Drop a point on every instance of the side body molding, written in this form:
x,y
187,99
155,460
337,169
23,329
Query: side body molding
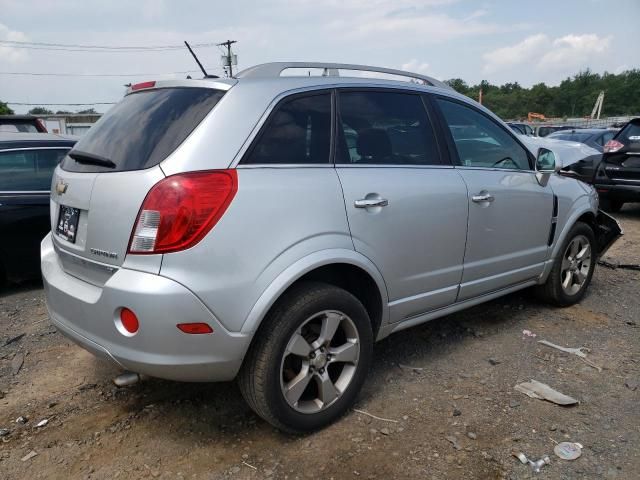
x,y
306,264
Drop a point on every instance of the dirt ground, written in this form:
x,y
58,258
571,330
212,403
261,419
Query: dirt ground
x,y
456,415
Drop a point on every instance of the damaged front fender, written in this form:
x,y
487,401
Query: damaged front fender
x,y
608,230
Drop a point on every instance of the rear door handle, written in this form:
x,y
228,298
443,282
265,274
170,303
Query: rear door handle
x,y
371,202
483,197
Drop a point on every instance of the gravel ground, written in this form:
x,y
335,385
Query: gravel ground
x,y
446,390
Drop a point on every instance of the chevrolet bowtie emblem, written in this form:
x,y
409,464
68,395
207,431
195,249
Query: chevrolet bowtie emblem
x,y
61,187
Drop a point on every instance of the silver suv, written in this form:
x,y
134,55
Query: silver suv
x,y
271,228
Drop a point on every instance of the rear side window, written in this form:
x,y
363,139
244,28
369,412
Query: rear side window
x,y
28,170
298,132
385,128
144,128
480,141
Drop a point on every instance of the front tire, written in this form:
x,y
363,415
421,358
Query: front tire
x,y
309,359
573,268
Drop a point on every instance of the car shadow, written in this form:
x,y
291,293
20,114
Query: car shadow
x,y
21,287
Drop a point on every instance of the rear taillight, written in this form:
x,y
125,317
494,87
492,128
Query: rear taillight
x,y
613,146
180,210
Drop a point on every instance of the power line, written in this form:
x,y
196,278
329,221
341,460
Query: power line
x,y
56,104
229,57
43,74
96,48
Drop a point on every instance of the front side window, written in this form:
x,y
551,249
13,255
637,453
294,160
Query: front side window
x,y
298,132
28,170
384,128
481,142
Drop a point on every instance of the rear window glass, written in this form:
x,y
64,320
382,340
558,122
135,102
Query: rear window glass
x,y
630,135
571,137
28,170
144,128
18,128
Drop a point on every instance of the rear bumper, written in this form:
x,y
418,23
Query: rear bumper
x,y
621,192
86,314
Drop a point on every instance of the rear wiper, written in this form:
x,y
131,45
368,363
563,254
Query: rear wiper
x,y
91,159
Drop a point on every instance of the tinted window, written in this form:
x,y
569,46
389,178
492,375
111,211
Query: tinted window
x,y
28,170
385,128
144,128
480,141
630,135
299,131
571,137
528,130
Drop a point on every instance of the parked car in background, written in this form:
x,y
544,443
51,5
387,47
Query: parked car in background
x,y
27,162
544,130
521,128
271,228
21,124
594,137
617,178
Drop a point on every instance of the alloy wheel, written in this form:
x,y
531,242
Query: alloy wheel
x,y
319,361
576,264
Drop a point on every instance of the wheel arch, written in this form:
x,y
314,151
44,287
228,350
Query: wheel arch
x,y
343,268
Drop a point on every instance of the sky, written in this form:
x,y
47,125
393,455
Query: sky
x,y
527,41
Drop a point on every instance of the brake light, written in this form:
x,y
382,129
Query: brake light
x,y
142,85
180,210
613,146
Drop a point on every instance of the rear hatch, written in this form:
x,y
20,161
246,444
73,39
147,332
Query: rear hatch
x,y
621,160
99,187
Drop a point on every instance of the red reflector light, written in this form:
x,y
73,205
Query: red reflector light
x,y
180,210
129,320
142,85
603,190
613,146
195,328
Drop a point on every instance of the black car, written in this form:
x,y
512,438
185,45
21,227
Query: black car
x,y
594,137
21,124
617,178
27,162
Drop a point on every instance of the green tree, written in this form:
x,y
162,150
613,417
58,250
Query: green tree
x,y
40,111
4,109
88,111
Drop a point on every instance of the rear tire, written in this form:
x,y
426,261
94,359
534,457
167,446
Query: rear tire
x,y
309,358
572,269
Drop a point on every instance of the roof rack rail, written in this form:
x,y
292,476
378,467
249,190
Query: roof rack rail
x,y
274,69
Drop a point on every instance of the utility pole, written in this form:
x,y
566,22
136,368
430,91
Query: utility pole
x,y
229,60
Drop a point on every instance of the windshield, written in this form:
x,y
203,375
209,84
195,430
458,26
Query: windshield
x,y
142,130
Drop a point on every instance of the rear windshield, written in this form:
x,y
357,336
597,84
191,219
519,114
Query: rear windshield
x,y
143,129
571,137
630,134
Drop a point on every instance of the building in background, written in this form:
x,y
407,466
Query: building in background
x,y
71,123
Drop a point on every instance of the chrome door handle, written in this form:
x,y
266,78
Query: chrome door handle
x,y
483,197
371,202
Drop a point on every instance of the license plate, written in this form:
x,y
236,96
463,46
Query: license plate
x,y
67,226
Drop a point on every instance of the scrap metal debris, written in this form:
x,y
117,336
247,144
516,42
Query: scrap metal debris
x,y
535,465
373,416
574,351
568,450
42,423
535,389
624,266
29,455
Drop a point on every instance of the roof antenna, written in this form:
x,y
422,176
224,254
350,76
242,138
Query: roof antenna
x,y
206,75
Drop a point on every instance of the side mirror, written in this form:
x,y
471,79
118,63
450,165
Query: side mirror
x,y
545,166
546,161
